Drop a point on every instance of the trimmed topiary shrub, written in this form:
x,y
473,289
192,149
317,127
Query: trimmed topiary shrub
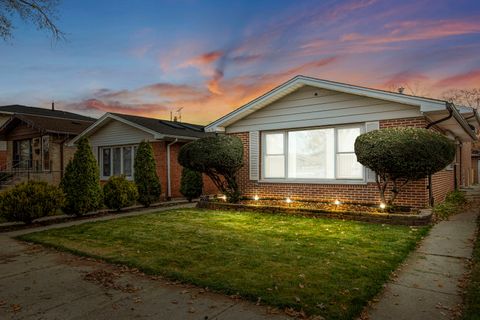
x,y
191,184
146,179
119,193
81,182
401,155
30,200
220,157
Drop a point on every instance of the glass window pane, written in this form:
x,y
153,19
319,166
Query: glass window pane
x,y
117,158
127,161
106,166
311,154
274,143
348,167
346,139
275,166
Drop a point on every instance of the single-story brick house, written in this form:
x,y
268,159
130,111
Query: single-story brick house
x,y
33,142
299,137
115,137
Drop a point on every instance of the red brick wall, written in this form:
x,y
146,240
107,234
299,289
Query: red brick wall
x,y
415,193
160,155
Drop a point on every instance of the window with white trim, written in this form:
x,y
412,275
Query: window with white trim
x,y
117,160
311,154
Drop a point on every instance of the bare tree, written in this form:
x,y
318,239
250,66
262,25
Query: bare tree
x,y
464,97
42,13
415,88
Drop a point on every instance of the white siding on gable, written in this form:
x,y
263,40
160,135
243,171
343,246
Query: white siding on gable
x,y
117,133
309,106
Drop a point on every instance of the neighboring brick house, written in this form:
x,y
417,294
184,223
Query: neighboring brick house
x,y
33,142
298,141
115,137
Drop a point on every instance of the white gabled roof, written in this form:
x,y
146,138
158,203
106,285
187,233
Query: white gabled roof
x,y
426,105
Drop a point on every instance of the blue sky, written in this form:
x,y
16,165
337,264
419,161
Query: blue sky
x,y
148,57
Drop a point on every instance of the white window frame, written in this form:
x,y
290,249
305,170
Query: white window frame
x,y
286,179
100,160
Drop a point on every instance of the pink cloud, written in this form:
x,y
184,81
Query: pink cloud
x,y
468,79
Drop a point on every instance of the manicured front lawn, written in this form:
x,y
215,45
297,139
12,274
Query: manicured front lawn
x,y
472,294
326,267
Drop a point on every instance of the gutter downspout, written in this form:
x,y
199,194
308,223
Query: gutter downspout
x,y
169,180
450,114
431,200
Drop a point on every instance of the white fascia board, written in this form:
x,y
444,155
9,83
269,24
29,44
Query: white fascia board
x,y
87,132
103,120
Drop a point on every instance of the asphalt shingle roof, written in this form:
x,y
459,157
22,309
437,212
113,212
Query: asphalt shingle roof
x,y
173,128
26,110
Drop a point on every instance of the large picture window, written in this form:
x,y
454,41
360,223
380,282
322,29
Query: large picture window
x,y
311,154
117,161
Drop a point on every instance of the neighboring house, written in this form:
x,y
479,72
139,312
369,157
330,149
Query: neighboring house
x,y
33,141
115,137
299,141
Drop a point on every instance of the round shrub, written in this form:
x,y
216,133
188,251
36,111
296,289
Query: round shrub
x,y
81,182
146,178
119,193
30,200
220,157
191,184
400,155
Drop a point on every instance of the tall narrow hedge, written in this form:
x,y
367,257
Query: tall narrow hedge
x,y
146,179
81,182
191,184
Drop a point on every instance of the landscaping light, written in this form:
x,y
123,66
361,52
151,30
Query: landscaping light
x,y
224,197
337,203
288,200
256,198
382,206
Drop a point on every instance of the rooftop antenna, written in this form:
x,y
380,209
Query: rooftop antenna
x,y
178,115
401,89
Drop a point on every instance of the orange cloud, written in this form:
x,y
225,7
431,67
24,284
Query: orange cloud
x,y
468,79
415,31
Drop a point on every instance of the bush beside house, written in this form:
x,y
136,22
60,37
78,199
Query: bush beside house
x,y
146,178
401,155
81,182
220,157
30,200
191,184
119,193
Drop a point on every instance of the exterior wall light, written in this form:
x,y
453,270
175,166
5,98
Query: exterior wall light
x,y
382,206
256,198
337,203
288,200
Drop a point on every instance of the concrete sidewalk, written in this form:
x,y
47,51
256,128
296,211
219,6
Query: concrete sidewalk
x,y
42,283
428,284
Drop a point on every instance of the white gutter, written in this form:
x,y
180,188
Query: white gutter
x,y
169,180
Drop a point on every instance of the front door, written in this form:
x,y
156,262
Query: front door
x,y
22,154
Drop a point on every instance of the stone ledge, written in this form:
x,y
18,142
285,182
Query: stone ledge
x,y
420,219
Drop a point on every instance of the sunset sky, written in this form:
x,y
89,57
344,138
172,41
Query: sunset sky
x,y
209,57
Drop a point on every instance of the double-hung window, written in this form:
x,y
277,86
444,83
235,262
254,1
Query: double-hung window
x,y
311,154
118,160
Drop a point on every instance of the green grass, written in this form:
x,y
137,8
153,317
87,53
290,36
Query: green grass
x,y
472,295
454,203
327,267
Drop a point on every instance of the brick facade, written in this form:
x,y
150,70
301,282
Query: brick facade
x,y
415,194
160,155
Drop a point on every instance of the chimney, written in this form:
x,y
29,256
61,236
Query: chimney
x,y
53,105
401,89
